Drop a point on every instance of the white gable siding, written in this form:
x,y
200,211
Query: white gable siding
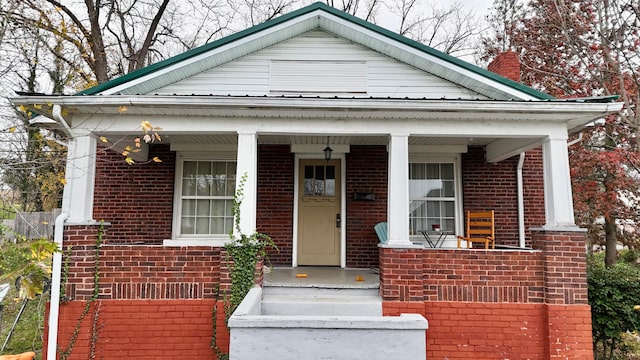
x,y
252,74
318,76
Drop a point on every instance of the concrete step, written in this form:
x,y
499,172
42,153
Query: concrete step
x,y
321,301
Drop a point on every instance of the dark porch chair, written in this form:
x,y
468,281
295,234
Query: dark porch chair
x,y
480,229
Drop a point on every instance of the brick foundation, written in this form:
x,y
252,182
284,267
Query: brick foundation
x,y
139,329
463,330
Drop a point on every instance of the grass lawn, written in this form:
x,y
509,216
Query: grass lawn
x,y
29,330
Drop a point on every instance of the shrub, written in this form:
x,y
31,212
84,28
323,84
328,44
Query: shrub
x,y
614,294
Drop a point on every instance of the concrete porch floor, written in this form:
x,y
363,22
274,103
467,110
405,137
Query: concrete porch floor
x,y
322,277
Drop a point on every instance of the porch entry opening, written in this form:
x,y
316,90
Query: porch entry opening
x,y
319,212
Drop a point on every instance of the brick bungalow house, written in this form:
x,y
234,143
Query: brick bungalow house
x,y
417,137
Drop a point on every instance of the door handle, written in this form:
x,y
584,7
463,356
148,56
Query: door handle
x,y
338,220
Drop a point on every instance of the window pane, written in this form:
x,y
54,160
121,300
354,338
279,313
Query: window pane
x,y
188,207
189,187
231,178
418,189
448,209
448,224
331,172
417,224
228,225
319,172
231,186
203,208
448,188
308,172
447,171
189,169
203,179
433,171
331,187
202,225
318,187
219,172
217,225
433,208
187,225
309,188
434,188
218,207
417,171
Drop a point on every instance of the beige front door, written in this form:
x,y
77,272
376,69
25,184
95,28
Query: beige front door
x,y
319,212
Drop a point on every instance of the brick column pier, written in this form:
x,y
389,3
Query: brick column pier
x,y
565,289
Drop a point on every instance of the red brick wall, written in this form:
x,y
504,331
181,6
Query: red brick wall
x,y
139,271
139,329
493,304
564,266
569,332
483,276
275,199
137,200
463,330
366,172
488,186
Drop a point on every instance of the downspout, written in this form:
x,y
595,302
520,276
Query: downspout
x,y
54,306
521,234
56,268
576,140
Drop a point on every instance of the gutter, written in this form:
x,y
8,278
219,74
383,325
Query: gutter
x,y
56,274
521,233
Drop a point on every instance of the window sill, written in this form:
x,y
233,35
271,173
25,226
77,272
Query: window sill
x,y
196,242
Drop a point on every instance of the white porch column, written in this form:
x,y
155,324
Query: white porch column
x,y
398,190
247,160
558,198
77,199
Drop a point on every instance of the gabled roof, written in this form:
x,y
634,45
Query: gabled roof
x,y
317,15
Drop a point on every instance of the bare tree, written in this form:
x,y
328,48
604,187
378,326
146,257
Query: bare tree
x,y
451,29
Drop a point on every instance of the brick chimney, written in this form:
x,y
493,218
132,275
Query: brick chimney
x,y
506,64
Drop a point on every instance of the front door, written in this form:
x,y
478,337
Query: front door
x,y
319,212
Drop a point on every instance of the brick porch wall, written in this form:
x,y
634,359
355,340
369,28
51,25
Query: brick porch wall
x,y
495,304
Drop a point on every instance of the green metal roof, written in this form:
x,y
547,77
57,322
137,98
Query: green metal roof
x,y
297,13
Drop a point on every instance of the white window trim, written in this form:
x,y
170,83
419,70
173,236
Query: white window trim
x,y
217,240
456,159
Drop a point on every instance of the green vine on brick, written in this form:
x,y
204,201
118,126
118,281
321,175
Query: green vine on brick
x,y
66,256
243,252
64,355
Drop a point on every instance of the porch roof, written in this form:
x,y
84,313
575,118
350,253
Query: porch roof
x,y
574,112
